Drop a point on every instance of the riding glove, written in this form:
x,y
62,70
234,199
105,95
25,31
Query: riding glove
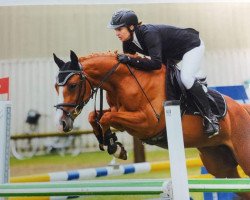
x,y
139,63
124,58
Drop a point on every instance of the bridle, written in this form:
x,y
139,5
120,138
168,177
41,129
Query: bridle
x,y
80,103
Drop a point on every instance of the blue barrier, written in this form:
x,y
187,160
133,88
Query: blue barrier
x,y
236,92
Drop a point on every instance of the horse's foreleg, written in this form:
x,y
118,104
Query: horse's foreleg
x,y
122,119
130,120
96,127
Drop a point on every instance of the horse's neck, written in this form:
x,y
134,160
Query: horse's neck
x,y
98,68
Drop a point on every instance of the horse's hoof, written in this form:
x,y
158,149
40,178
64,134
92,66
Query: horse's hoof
x,y
101,147
120,153
123,153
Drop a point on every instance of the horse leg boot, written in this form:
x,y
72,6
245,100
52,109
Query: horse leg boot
x,y
211,124
107,139
97,128
134,120
114,148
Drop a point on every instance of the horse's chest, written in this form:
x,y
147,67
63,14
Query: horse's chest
x,y
123,102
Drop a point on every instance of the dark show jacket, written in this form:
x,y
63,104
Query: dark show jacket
x,y
161,43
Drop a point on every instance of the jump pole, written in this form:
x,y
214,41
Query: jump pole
x,y
177,159
5,117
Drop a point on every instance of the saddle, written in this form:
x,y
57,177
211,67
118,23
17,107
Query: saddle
x,y
177,91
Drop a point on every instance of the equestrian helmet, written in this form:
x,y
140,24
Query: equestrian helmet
x,y
123,18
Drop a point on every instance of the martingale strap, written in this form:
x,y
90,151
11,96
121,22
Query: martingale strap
x,y
99,116
101,102
97,119
107,75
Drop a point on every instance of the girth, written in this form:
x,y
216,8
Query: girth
x,y
159,140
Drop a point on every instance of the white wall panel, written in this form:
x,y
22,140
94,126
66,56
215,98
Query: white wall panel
x,y
227,67
38,31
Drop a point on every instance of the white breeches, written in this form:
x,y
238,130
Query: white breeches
x,y
191,66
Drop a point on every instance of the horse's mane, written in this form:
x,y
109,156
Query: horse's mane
x,y
105,54
94,55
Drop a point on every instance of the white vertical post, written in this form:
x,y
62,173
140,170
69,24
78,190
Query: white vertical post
x,y
5,117
176,149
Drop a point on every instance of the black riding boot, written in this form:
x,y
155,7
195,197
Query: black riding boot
x,y
211,124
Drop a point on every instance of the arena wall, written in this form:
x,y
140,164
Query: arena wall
x,y
30,34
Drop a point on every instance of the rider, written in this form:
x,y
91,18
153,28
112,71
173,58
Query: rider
x,y
162,43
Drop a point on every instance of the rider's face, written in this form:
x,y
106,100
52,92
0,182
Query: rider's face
x,y
122,33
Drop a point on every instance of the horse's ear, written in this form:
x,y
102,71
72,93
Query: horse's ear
x,y
58,61
74,60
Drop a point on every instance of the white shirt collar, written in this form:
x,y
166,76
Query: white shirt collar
x,y
135,41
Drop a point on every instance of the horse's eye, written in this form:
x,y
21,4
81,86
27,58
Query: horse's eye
x,y
72,86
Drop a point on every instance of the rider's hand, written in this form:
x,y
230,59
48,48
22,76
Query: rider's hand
x,y
124,58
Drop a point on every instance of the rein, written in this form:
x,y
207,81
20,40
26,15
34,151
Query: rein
x,y
156,114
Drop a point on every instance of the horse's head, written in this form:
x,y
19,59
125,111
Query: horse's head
x,y
73,91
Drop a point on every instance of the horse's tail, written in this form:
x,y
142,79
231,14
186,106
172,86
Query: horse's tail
x,y
246,107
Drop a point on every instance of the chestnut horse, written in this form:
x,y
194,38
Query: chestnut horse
x,y
131,111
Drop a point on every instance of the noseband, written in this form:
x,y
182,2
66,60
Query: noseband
x,y
83,78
